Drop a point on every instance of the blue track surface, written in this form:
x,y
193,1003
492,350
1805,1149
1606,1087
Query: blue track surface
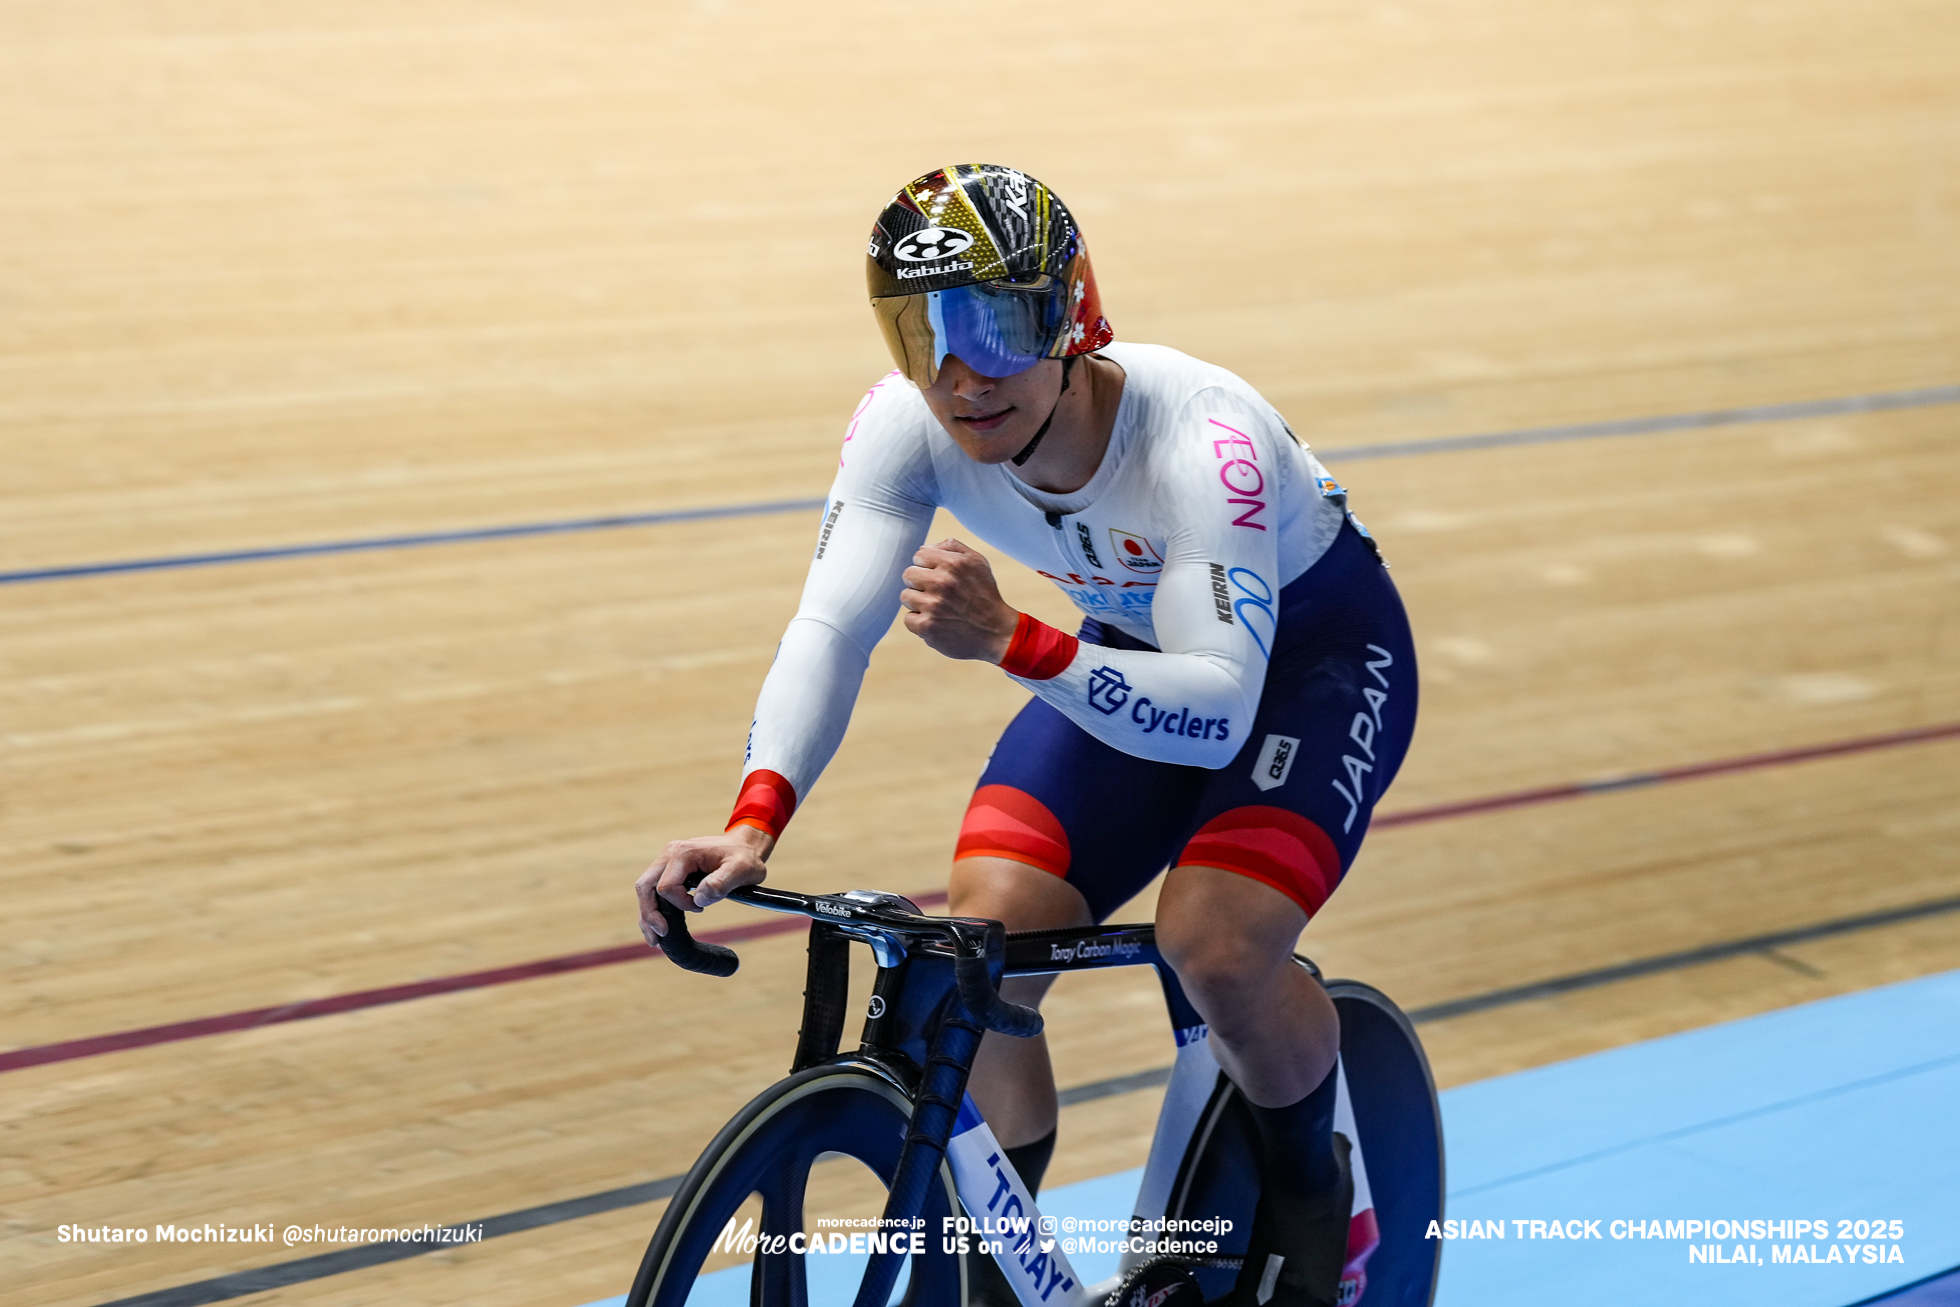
x,y
1844,1109
1940,1291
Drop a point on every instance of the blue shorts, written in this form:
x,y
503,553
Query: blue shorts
x,y
1333,724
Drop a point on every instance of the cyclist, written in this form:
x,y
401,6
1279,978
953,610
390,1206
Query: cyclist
x,y
1241,691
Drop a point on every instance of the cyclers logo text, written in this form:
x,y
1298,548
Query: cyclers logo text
x,y
1179,721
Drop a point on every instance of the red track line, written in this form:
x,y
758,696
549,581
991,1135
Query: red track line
x,y
1748,762
42,1054
252,1018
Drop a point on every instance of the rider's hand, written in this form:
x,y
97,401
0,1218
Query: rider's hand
x,y
733,859
952,603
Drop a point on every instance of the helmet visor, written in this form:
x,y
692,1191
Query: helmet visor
x,y
996,328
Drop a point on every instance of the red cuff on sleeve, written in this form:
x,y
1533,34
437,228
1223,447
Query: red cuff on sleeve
x,y
1038,652
766,802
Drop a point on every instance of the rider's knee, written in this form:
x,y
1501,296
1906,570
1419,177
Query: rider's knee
x,y
1214,961
1242,890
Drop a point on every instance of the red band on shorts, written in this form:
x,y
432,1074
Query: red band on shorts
x,y
1272,846
1003,822
1038,652
766,802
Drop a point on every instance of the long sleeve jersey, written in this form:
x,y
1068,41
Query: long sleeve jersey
x,y
1203,508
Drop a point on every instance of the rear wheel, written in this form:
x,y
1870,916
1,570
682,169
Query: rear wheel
x,y
1401,1126
768,1150
1401,1129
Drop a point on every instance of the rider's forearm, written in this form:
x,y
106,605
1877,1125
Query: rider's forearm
x,y
800,717
1190,708
848,600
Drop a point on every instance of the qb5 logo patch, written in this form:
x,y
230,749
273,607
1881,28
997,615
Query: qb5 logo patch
x,y
1275,761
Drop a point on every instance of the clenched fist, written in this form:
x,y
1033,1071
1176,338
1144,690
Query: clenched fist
x,y
952,603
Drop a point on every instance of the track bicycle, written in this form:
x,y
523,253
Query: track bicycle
x,y
897,1104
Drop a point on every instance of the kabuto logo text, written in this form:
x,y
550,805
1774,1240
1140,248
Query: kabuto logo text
x,y
937,269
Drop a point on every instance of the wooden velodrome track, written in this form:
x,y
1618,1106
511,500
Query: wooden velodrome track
x,y
306,272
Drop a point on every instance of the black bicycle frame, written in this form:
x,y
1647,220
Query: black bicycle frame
x,y
935,995
918,1031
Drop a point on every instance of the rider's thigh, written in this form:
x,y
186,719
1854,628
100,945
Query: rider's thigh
x,y
1020,897
1015,894
1054,798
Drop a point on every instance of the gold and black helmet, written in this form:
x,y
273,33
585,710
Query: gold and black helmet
x,y
986,263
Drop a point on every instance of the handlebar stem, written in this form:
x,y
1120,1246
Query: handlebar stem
x,y
891,925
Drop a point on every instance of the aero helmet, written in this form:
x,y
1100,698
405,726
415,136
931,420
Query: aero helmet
x,y
987,263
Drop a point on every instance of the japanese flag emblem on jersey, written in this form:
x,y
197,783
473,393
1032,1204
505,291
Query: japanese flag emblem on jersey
x,y
1134,552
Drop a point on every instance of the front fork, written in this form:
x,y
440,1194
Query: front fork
x,y
935,1108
